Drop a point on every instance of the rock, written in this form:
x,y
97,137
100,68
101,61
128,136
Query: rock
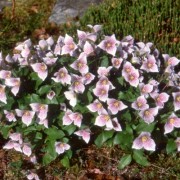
x,y
4,3
65,10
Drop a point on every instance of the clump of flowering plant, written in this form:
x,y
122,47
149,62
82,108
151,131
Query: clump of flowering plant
x,y
89,86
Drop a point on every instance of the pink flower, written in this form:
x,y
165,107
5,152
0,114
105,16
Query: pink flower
x,y
83,36
41,70
140,103
173,121
109,44
88,48
116,62
88,78
144,141
104,120
10,116
61,147
51,95
81,64
43,122
160,99
76,118
72,97
127,68
132,78
49,59
62,76
14,83
69,46
148,114
96,106
32,176
43,44
16,137
26,149
145,88
178,143
176,102
104,81
66,118
5,74
116,125
101,92
40,109
3,97
114,105
13,145
103,71
77,84
149,64
85,134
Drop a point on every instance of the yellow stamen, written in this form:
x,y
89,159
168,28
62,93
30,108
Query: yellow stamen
x,y
108,45
71,46
149,65
76,83
116,104
131,77
79,65
139,104
144,138
99,105
146,113
106,117
178,98
171,120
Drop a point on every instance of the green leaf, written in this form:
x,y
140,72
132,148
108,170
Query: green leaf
x,y
171,146
139,157
121,80
44,89
65,162
54,133
47,158
38,135
104,61
145,127
103,137
124,161
89,96
69,129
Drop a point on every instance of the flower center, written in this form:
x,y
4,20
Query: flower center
x,y
88,75
144,138
43,67
127,69
108,45
146,113
104,82
117,63
62,74
61,145
76,83
41,107
71,46
139,104
171,120
131,77
106,117
1,89
26,113
79,65
149,65
99,105
116,104
178,98
8,75
103,92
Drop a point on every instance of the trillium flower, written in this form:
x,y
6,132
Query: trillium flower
x,y
145,141
62,76
127,69
160,99
172,122
114,105
104,81
81,64
50,59
132,78
149,64
116,62
96,106
13,145
43,44
116,125
145,88
16,137
88,78
148,114
103,71
3,97
178,143
76,118
43,122
66,118
109,44
83,36
69,46
88,48
5,74
72,97
77,84
96,28
51,95
40,109
14,83
10,116
140,103
101,92
104,119
63,106
26,115
26,150
176,101
85,134
61,147
41,70
32,176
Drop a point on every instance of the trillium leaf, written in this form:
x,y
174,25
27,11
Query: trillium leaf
x,y
145,127
54,133
44,89
139,157
124,161
171,146
65,162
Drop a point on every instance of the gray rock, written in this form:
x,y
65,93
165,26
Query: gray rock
x,y
65,10
4,3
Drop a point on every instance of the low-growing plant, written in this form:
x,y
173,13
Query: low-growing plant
x,y
94,87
